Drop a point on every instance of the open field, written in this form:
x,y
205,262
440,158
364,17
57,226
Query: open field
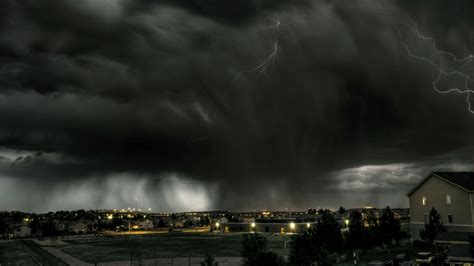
x,y
162,248
106,249
25,253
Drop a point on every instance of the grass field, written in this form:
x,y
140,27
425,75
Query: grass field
x,y
163,246
26,253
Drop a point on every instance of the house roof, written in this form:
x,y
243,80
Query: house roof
x,y
463,180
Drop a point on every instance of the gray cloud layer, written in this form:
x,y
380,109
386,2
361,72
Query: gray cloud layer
x,y
157,90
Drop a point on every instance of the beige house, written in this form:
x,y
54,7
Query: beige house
x,y
22,231
451,194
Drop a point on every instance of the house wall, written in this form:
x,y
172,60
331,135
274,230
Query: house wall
x,y
22,231
435,191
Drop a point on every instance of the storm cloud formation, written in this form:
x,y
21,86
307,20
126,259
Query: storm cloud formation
x,y
102,102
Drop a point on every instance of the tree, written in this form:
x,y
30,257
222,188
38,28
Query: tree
x,y
433,227
372,234
341,210
204,221
269,258
389,225
209,261
356,229
48,229
35,225
3,228
306,249
188,223
252,245
329,231
161,223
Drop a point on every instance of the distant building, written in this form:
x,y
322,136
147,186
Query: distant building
x,y
60,226
281,226
145,224
451,194
22,232
78,228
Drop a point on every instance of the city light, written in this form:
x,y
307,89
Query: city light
x,y
308,225
252,225
346,221
217,225
292,226
110,216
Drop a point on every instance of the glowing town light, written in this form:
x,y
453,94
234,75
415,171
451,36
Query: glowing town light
x,y
217,225
110,216
252,225
346,221
292,226
308,225
149,209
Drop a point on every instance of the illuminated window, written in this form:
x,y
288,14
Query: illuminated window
x,y
450,218
424,201
448,199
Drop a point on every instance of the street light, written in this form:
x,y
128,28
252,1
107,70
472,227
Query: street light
x,y
346,221
292,226
308,225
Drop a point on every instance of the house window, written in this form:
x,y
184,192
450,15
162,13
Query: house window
x,y
448,199
424,201
450,218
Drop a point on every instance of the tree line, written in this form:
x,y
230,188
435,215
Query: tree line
x,y
320,243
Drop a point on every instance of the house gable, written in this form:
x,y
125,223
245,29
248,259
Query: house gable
x,y
434,175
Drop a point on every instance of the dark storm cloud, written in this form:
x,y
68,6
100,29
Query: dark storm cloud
x,y
163,90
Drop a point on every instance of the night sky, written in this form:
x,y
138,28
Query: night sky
x,y
240,105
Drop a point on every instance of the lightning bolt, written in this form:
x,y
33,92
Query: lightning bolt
x,y
443,71
275,26
264,64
